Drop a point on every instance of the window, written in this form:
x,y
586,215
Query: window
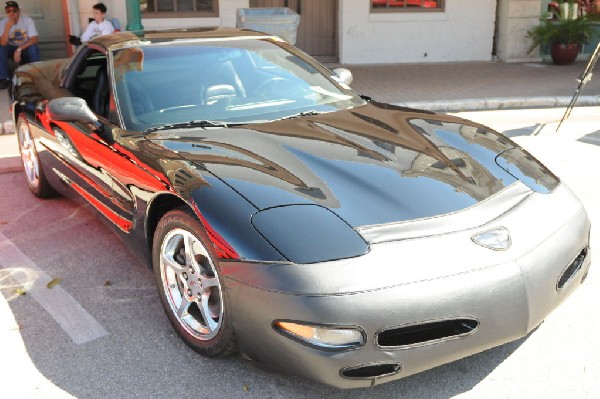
x,y
179,8
231,81
406,5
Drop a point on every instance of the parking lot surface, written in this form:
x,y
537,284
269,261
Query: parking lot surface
x,y
100,331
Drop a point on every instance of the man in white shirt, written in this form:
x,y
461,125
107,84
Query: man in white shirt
x,y
99,26
19,40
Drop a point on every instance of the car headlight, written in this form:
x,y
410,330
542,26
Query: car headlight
x,y
323,337
308,233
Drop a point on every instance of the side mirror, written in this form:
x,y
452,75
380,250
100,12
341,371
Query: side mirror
x,y
343,75
71,109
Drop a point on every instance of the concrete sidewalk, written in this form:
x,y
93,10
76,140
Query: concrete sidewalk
x,y
474,85
9,148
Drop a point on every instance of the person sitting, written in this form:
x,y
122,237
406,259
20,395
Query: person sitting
x,y
100,25
19,40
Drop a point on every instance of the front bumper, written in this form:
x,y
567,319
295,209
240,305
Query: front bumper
x,y
411,282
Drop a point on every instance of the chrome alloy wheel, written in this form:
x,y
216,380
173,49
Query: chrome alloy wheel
x,y
28,155
190,282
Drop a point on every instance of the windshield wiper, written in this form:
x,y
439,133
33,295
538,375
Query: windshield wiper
x,y
186,125
300,114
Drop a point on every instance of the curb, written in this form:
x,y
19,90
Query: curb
x,y
7,127
499,103
10,164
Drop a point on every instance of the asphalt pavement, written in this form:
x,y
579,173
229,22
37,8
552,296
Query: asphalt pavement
x,y
142,357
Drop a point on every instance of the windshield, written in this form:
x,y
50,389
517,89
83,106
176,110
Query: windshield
x,y
230,81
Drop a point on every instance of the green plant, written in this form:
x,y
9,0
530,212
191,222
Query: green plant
x,y
562,29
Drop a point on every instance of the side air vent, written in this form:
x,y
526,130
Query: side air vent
x,y
572,269
425,333
371,370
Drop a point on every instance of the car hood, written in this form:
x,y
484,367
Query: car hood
x,y
372,164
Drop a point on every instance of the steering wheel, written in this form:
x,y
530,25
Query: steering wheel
x,y
277,87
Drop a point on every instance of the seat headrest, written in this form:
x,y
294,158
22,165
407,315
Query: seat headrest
x,y
215,93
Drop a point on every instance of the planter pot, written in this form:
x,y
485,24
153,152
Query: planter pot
x,y
564,54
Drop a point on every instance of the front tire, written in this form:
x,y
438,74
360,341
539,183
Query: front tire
x,y
34,173
189,284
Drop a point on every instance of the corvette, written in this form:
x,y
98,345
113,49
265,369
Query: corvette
x,y
291,220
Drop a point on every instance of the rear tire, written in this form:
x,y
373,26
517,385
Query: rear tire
x,y
34,172
189,284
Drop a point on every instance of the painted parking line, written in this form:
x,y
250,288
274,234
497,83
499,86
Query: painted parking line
x,y
67,312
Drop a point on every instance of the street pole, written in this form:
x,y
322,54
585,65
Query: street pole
x,y
134,16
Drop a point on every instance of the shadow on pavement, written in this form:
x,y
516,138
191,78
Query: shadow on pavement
x,y
591,138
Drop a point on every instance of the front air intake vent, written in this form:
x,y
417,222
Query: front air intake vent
x,y
371,370
572,269
425,333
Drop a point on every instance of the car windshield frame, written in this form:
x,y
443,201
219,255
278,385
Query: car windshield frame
x,y
234,81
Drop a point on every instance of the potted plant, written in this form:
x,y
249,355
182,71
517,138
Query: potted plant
x,y
564,33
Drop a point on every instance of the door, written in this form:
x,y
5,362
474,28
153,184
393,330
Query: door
x,y
317,32
49,22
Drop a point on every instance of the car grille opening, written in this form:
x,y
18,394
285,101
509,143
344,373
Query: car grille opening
x,y
373,370
572,269
423,333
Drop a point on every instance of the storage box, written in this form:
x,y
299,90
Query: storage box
x,y
279,21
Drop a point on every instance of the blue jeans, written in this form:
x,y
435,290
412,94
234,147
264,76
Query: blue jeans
x,y
30,54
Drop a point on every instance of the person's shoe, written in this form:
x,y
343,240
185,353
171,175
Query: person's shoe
x,y
4,84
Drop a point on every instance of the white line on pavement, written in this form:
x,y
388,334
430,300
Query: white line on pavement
x,y
67,312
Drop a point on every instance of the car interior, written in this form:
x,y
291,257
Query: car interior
x,y
168,89
156,86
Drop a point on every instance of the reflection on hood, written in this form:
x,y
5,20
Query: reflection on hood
x,y
370,165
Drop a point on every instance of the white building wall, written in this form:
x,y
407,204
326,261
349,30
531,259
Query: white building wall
x,y
227,12
463,32
118,9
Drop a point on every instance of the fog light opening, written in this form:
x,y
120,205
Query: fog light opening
x,y
322,336
571,270
425,333
371,370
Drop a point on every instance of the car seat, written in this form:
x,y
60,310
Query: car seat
x,y
101,92
224,83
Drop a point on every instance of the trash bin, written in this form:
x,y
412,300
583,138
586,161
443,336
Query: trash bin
x,y
279,21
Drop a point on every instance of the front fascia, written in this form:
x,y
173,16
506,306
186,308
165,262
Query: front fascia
x,y
508,293
432,255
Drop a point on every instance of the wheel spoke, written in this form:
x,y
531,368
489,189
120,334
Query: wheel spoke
x,y
182,310
211,324
171,263
209,282
188,242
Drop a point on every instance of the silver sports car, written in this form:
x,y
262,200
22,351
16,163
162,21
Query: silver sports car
x,y
288,218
